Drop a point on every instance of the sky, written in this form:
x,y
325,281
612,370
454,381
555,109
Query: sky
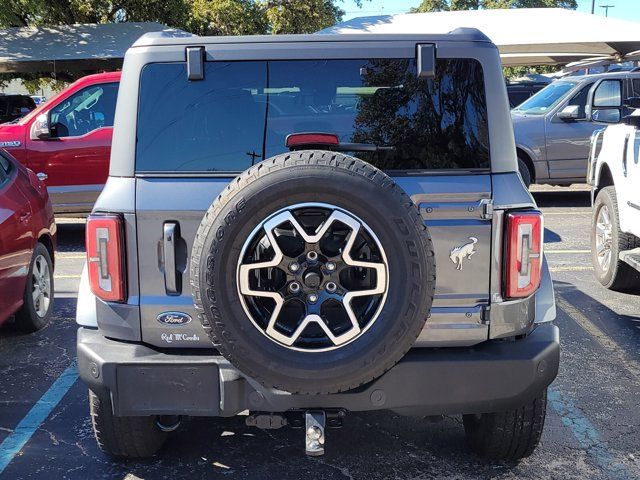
x,y
623,9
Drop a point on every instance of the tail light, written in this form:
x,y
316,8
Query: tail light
x,y
524,253
105,257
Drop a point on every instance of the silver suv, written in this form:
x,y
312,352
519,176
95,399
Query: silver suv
x,y
304,226
553,128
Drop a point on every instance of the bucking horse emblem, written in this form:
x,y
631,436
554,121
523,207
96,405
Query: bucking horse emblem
x,y
467,250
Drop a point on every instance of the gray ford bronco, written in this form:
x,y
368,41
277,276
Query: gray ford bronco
x,y
306,226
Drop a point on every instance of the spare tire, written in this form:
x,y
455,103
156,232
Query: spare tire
x,y
313,272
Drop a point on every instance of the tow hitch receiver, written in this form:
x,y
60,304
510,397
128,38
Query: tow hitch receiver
x,y
314,432
314,423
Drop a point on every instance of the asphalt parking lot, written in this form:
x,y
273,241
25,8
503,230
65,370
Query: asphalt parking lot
x,y
592,420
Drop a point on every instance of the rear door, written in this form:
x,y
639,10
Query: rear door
x,y
194,136
75,161
16,240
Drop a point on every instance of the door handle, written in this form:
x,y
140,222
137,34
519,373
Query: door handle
x,y
42,176
172,280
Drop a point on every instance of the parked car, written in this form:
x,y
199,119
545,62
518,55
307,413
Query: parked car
x,y
553,128
67,141
614,175
27,243
13,107
249,252
38,99
521,91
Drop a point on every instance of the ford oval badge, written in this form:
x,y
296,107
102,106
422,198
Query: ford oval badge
x,y
174,319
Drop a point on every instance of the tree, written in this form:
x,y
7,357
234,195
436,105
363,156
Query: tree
x,y
204,17
226,17
446,5
301,16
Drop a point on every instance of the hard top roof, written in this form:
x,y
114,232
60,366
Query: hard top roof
x,y
166,38
597,76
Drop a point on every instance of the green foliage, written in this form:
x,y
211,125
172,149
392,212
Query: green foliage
x,y
446,5
301,16
204,17
226,17
21,13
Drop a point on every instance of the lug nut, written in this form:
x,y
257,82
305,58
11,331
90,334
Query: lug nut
x,y
313,298
312,256
330,266
331,287
294,267
294,287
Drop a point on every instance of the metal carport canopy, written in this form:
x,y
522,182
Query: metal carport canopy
x,y
524,36
81,47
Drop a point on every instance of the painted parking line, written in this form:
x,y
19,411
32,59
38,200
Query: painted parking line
x,y
12,444
72,256
570,268
66,276
587,436
548,251
565,213
614,350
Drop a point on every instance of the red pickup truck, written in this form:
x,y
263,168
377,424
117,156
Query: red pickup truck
x,y
67,141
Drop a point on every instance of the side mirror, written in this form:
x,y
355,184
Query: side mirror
x,y
40,127
570,112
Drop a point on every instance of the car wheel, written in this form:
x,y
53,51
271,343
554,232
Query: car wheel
x,y
38,296
509,435
313,272
607,241
525,173
127,437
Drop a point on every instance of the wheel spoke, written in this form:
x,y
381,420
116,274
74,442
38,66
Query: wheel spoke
x,y
309,293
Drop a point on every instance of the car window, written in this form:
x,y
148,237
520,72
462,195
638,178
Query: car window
x,y
545,99
5,169
635,87
607,100
85,111
243,111
580,99
608,94
516,97
5,164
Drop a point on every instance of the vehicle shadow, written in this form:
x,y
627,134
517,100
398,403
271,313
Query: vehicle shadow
x,y
563,198
370,446
70,236
624,329
551,237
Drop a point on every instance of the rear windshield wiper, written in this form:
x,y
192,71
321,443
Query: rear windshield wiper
x,y
329,141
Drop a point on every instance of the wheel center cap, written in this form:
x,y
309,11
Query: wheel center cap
x,y
312,279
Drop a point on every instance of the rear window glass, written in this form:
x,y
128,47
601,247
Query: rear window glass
x,y
242,112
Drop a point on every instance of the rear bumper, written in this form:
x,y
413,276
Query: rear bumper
x,y
493,376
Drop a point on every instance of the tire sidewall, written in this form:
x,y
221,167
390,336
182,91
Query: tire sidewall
x,y
28,319
360,360
604,198
525,173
